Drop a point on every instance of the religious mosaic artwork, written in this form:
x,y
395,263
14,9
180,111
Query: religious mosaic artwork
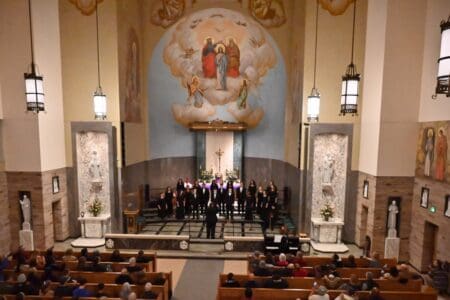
x,y
87,7
220,57
133,80
336,7
167,12
93,173
329,174
269,13
433,152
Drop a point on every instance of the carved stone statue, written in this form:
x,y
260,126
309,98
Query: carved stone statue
x,y
328,170
392,219
94,168
25,204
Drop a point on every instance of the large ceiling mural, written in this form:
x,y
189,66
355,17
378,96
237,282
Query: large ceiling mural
x,y
219,57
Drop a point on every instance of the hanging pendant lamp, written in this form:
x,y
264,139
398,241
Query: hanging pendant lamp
x,y
443,77
99,98
350,81
313,101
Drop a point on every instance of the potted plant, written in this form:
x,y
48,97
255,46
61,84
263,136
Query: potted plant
x,y
95,208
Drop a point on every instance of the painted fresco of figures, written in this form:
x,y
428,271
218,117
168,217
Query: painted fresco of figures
x,y
428,150
209,59
441,155
234,56
221,68
270,13
195,93
167,12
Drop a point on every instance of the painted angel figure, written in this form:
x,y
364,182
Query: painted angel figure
x,y
196,95
243,93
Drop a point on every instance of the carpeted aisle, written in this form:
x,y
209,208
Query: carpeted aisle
x,y
199,279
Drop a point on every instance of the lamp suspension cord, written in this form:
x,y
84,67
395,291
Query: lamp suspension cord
x,y
31,37
353,33
98,51
315,47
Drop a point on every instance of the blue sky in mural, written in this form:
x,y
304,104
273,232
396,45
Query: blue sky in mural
x,y
170,139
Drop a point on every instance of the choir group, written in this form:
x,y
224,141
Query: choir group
x,y
191,200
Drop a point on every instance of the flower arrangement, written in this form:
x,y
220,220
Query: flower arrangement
x,y
327,212
206,175
95,208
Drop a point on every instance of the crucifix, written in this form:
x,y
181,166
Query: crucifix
x,y
219,154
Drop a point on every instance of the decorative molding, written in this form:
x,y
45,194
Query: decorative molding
x,y
335,7
87,7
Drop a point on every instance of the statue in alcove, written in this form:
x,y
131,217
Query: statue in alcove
x,y
392,219
25,205
328,170
94,168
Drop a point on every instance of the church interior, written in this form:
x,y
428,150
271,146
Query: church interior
x,y
253,149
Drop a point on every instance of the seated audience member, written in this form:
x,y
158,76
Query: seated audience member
x,y
68,256
133,267
141,258
101,290
34,279
97,266
375,294
159,280
116,257
353,284
276,282
84,252
50,259
22,286
46,290
125,291
20,296
132,296
298,259
369,283
270,260
6,288
284,271
63,290
262,270
251,282
123,277
82,264
66,277
336,261
231,282
320,293
254,260
248,294
81,290
332,282
299,271
4,263
375,262
393,271
438,276
20,257
347,295
282,261
350,262
148,294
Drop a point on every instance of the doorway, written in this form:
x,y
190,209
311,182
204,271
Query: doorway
x,y
57,221
363,226
429,244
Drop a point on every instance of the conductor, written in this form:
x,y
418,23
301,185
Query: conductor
x,y
211,220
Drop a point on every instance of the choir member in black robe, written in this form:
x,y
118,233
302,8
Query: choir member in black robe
x,y
188,202
204,198
215,197
214,185
168,198
259,198
229,202
273,202
180,185
241,195
211,221
179,211
264,202
248,204
195,204
252,189
161,205
221,199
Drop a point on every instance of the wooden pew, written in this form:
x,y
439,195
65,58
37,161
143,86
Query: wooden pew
x,y
312,261
307,283
107,278
115,266
290,294
13,297
105,258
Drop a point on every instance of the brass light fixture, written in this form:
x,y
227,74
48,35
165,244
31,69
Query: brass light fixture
x,y
99,98
313,101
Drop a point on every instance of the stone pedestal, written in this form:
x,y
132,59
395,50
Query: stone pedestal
x,y
93,230
391,247
326,235
26,239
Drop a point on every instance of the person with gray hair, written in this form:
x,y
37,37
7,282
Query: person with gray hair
x,y
148,294
369,283
133,266
132,296
320,293
125,291
262,269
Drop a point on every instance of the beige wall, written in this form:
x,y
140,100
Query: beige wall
x,y
438,109
79,65
333,56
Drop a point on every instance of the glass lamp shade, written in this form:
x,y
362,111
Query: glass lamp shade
x,y
34,91
443,77
349,94
313,106
99,105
